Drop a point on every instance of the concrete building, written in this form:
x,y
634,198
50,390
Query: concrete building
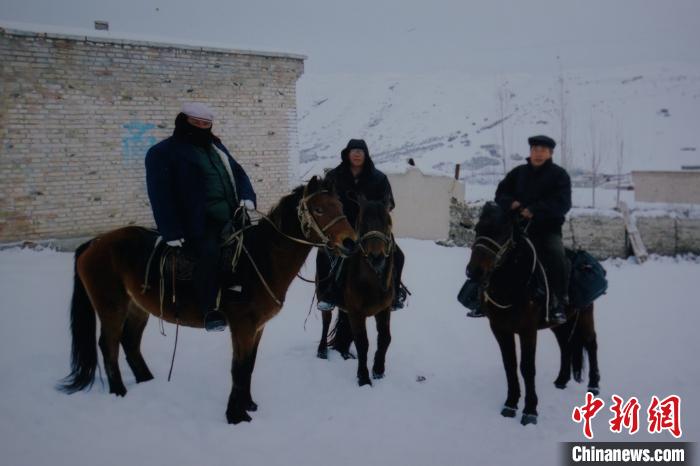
x,y
423,204
677,187
77,115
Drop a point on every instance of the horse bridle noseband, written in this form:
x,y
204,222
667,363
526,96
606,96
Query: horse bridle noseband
x,y
376,234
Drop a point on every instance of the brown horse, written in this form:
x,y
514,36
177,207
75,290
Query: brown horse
x,y
368,291
110,271
503,261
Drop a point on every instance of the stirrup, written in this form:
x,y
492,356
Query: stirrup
x,y
557,316
214,321
400,297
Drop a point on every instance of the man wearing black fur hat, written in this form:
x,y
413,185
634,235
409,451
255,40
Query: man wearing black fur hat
x,y
356,176
195,188
540,191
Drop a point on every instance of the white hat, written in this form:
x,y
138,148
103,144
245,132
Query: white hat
x,y
198,110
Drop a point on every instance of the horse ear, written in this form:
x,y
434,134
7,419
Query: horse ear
x,y
312,186
490,208
329,184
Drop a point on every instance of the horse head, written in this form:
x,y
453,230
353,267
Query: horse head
x,y
322,220
500,258
376,242
493,230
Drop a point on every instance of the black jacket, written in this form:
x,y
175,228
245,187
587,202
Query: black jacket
x,y
544,191
176,187
371,183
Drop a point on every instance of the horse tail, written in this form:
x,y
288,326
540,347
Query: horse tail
x,y
84,342
340,337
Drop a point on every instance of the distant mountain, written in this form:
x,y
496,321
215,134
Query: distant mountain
x,y
440,120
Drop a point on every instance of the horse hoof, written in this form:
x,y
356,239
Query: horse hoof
x,y
377,375
322,353
252,406
559,385
577,377
364,381
144,378
347,355
529,419
119,391
594,390
507,411
237,417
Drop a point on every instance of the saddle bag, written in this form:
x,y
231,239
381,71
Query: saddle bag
x,y
588,280
469,295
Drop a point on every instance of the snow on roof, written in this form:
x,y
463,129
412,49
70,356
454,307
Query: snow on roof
x,y
122,37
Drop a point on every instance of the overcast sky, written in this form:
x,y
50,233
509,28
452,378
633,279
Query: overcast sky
x,y
405,36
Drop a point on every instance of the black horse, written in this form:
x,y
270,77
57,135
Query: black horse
x,y
504,263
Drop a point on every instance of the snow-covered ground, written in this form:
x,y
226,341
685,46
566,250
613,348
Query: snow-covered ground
x,y
311,411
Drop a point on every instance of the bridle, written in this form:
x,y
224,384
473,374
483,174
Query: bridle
x,y
309,223
387,239
499,251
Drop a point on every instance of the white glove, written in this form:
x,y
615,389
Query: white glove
x,y
175,243
248,204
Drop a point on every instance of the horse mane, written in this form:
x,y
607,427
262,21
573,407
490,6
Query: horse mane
x,y
285,205
289,202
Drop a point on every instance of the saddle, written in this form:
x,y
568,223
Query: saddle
x,y
182,263
587,282
166,262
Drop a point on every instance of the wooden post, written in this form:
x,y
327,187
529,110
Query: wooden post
x,y
638,248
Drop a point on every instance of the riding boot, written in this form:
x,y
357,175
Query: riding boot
x,y
325,282
400,296
400,290
553,257
214,321
557,313
205,280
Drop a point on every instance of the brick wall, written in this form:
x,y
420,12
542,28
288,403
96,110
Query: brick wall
x,y
78,114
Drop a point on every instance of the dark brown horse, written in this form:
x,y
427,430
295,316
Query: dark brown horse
x,y
368,290
110,271
504,261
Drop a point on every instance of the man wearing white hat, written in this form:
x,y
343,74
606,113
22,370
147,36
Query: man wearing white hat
x,y
195,187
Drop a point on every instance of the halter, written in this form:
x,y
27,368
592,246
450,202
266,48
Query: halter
x,y
308,221
499,251
387,239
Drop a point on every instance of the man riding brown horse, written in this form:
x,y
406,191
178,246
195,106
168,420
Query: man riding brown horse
x,y
540,191
355,178
196,188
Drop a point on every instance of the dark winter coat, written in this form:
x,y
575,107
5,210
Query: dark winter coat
x,y
371,183
177,189
545,191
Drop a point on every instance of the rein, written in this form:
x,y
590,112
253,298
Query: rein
x,y
499,251
308,224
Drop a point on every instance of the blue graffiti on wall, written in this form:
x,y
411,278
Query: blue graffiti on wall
x,y
137,140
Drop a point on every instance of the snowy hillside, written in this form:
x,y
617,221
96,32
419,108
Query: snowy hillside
x,y
311,411
444,119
